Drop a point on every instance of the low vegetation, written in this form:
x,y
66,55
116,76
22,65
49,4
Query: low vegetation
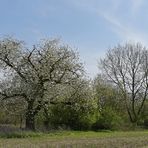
x,y
103,139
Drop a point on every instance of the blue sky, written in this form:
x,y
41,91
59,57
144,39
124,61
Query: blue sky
x,y
90,26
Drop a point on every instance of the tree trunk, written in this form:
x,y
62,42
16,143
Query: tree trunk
x,y
31,113
30,116
46,122
30,121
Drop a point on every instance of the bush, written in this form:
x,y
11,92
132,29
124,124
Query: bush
x,y
108,119
66,117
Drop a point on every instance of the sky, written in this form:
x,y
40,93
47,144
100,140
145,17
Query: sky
x,y
89,26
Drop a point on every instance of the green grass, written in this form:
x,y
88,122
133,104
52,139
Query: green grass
x,y
76,139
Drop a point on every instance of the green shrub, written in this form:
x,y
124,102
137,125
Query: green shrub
x,y
66,117
108,119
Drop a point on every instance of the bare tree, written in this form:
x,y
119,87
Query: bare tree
x,y
31,74
127,67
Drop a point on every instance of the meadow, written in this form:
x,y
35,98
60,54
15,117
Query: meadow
x,y
75,139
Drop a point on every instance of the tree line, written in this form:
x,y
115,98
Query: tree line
x,y
46,86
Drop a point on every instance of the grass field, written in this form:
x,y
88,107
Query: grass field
x,y
69,139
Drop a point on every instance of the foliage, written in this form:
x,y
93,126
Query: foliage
x,y
78,114
126,66
108,119
46,85
66,117
31,74
106,95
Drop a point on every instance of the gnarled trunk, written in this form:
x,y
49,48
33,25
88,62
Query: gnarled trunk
x,y
30,116
30,120
46,122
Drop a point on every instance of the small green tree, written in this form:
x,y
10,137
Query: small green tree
x,y
110,108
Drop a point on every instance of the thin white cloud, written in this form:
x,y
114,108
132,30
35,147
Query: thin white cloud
x,y
125,30
136,5
111,13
